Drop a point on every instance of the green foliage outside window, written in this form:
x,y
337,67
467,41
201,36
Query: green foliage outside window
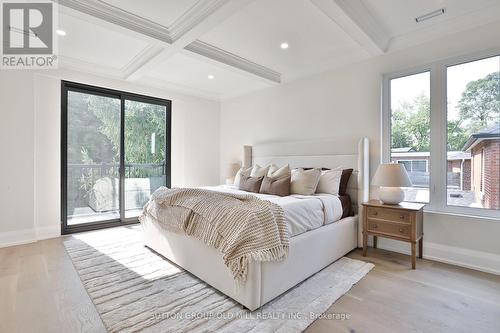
x,y
479,107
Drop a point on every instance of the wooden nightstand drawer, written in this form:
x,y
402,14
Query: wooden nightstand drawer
x,y
389,214
392,229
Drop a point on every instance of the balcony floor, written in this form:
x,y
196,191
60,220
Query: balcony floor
x,y
83,215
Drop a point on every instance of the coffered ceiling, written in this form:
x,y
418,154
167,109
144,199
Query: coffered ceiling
x,y
224,48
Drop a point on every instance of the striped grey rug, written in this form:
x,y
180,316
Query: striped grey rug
x,y
135,290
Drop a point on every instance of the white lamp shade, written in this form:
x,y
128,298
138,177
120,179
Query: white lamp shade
x,y
391,175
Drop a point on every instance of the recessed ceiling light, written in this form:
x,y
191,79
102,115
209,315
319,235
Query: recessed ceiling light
x,y
61,32
284,45
211,77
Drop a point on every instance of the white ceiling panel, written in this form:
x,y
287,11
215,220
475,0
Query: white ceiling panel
x,y
398,17
238,41
256,32
159,11
95,44
187,70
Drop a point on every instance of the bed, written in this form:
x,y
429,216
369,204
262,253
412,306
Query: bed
x,y
310,250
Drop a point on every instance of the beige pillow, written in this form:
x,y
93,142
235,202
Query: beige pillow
x,y
329,181
258,171
304,181
275,172
241,172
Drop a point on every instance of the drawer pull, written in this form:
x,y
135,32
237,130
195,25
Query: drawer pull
x,y
401,230
402,217
375,213
374,226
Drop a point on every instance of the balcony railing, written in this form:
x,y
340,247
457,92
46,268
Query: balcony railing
x,y
81,179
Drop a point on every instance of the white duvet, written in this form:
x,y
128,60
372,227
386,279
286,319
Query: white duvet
x,y
302,212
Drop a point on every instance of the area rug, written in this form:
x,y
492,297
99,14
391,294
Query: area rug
x,y
136,290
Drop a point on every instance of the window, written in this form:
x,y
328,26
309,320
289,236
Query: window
x,y
473,136
447,135
419,166
414,165
410,130
115,153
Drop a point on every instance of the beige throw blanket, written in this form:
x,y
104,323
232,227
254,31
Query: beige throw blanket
x,y
241,226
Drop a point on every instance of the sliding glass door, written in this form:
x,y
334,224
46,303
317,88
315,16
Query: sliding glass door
x,y
115,154
145,154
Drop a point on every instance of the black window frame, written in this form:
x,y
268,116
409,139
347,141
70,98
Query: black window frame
x,y
67,86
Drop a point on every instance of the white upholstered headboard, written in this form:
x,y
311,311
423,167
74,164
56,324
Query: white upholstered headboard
x,y
332,153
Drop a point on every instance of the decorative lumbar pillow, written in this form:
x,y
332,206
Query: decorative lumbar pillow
x,y
275,172
241,172
258,171
329,181
344,179
276,186
250,184
304,181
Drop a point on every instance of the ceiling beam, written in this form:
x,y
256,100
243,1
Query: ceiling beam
x,y
189,27
181,35
356,21
209,51
115,15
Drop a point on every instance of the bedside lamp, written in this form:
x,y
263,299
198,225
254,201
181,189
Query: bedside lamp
x,y
232,169
391,177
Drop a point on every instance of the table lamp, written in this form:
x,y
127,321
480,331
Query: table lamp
x,y
391,177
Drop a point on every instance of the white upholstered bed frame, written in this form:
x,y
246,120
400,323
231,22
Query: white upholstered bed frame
x,y
309,252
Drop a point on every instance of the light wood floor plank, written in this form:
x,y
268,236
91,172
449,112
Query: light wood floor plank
x,y
40,291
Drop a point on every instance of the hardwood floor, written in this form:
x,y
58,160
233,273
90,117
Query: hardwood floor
x,y
40,291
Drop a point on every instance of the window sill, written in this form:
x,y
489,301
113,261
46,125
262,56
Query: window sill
x,y
465,214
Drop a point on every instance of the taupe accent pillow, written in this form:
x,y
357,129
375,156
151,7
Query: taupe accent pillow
x,y
276,186
250,184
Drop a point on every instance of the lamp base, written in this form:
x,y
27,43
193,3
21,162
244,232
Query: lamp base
x,y
391,195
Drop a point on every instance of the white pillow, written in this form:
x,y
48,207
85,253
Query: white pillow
x,y
329,181
275,172
241,172
258,171
304,181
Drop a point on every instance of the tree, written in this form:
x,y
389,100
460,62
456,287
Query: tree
x,y
479,106
143,123
457,135
411,124
84,132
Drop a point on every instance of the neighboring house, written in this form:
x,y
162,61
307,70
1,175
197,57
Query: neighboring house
x,y
417,164
484,148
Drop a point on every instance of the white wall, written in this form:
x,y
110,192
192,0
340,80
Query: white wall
x,y
30,118
16,154
347,102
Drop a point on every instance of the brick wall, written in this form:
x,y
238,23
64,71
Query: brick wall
x,y
489,150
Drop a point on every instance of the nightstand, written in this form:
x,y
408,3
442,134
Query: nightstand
x,y
402,222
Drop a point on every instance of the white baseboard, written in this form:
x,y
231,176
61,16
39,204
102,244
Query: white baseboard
x,y
48,232
473,259
26,236
17,237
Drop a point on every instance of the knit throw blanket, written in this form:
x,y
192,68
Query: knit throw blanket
x,y
240,226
